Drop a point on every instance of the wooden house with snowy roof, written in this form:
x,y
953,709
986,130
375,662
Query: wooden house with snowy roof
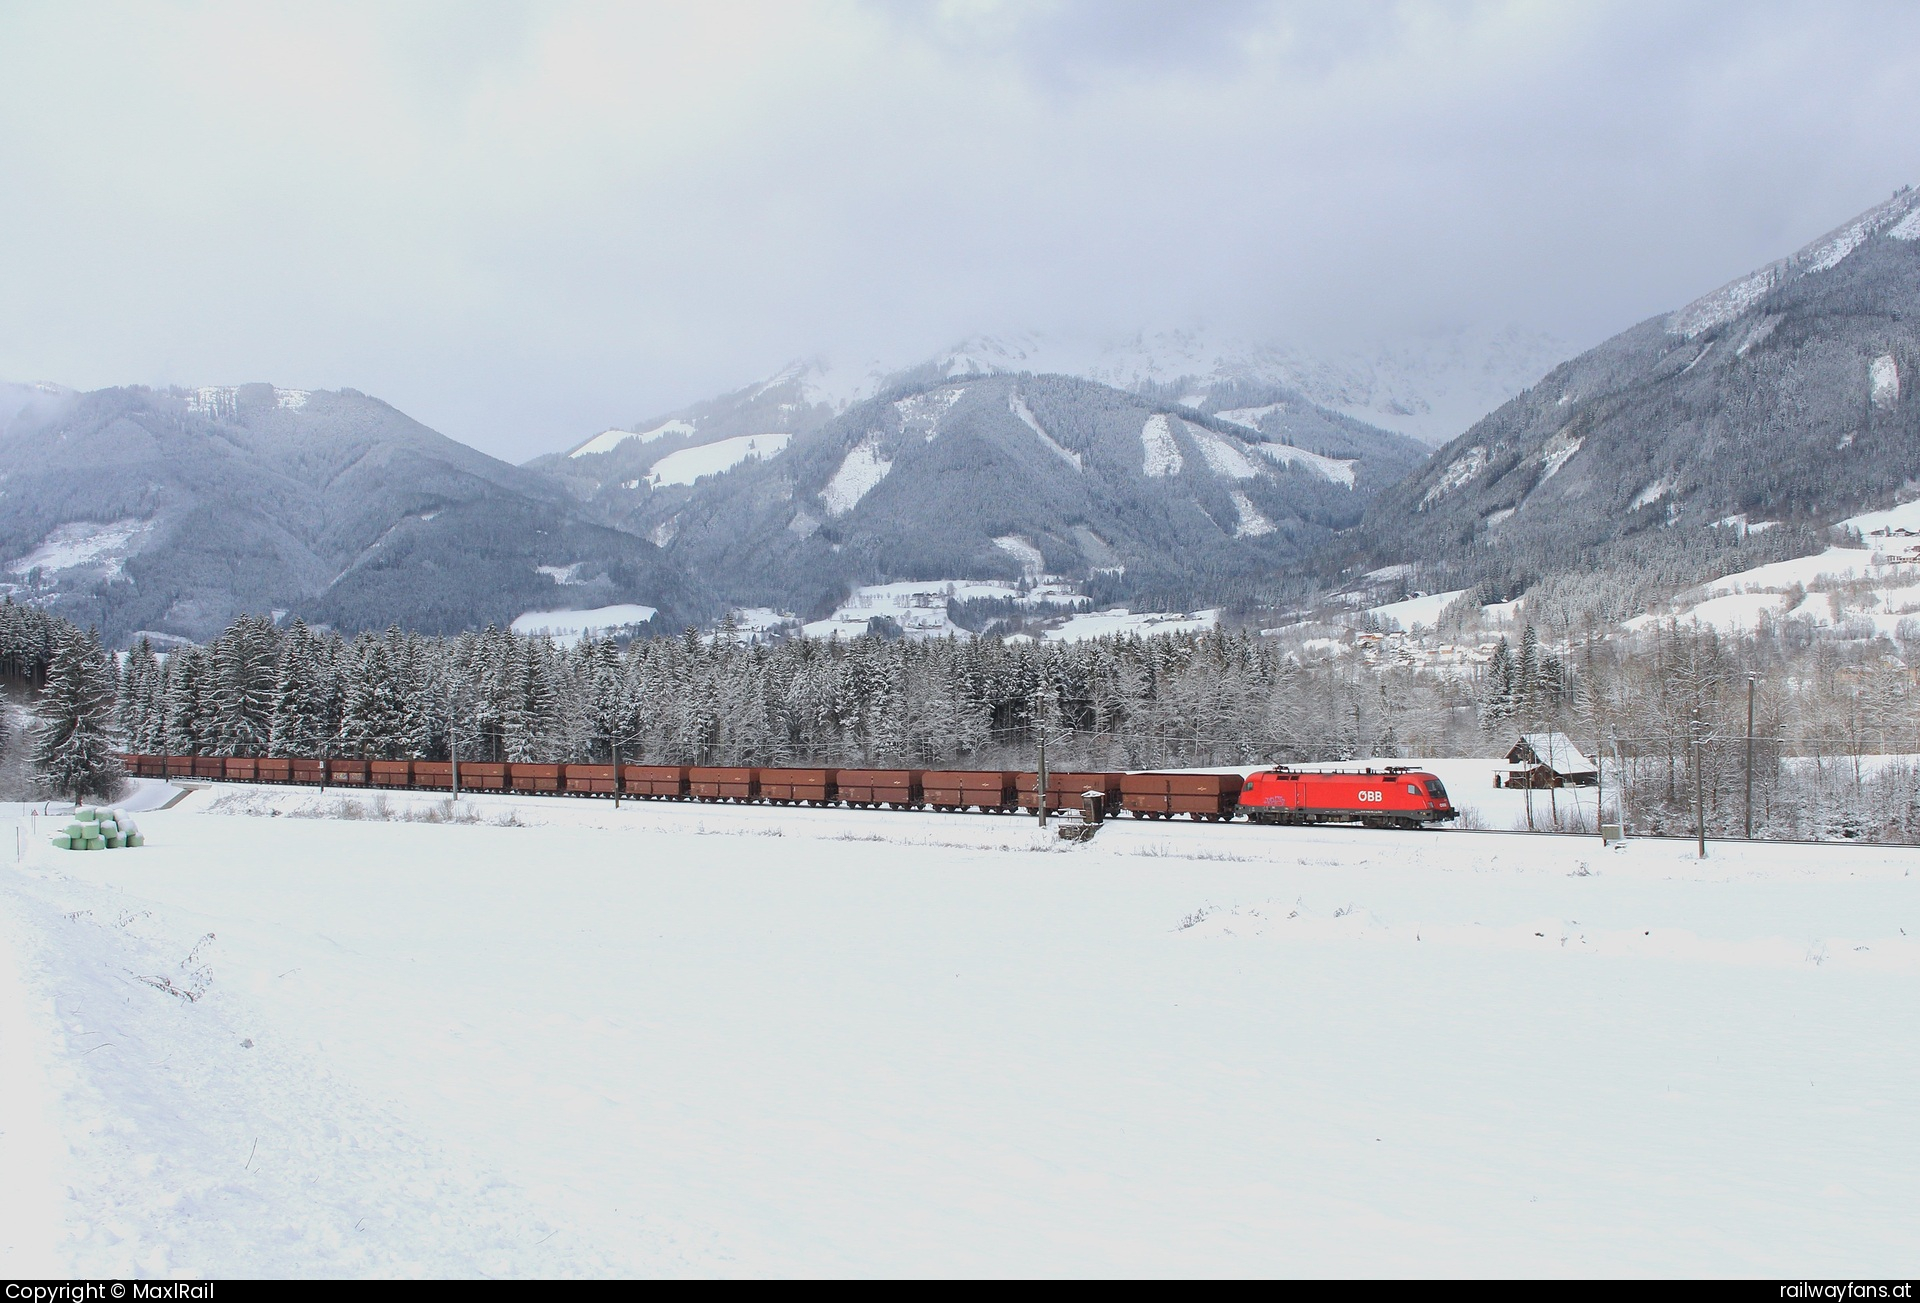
x,y
1542,760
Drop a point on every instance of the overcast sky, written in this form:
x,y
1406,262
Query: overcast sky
x,y
522,223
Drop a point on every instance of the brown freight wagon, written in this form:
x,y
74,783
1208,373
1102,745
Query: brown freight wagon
x,y
1161,796
899,788
273,769
348,773
588,780
533,778
654,780
307,771
389,773
958,789
707,783
785,786
1066,790
238,769
435,775
209,767
483,776
1205,796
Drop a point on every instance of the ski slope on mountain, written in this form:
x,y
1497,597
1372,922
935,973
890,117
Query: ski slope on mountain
x,y
718,1041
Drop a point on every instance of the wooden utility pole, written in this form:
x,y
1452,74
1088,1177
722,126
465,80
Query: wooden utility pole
x,y
1599,789
1699,786
615,744
1749,757
453,747
1040,779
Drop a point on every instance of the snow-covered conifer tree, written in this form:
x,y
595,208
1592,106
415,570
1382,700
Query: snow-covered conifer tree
x,y
139,680
300,717
244,661
1526,679
1497,691
189,720
73,740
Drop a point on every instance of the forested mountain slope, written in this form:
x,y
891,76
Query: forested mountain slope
x,y
1787,395
1012,475
174,511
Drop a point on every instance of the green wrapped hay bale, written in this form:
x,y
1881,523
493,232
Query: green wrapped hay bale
x,y
87,814
62,842
115,842
76,829
96,843
107,829
136,840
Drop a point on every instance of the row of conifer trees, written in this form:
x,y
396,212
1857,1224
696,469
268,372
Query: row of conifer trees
x,y
1130,702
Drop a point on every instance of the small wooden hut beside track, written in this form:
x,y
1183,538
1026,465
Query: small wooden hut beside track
x,y
1542,760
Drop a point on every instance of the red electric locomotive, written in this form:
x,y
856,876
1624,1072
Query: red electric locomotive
x,y
1378,798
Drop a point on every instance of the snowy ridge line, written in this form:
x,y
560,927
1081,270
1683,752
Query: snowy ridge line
x,y
1823,254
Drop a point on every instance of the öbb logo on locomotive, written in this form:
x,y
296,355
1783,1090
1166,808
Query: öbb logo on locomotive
x,y
1392,797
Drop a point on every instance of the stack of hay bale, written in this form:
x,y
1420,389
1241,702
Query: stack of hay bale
x,y
98,830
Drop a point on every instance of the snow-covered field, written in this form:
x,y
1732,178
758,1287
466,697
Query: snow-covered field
x,y
567,627
86,543
1875,587
1417,612
919,606
712,1040
690,464
608,440
1119,621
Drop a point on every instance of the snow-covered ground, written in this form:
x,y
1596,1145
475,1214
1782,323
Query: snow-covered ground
x,y
86,543
1120,621
608,440
919,606
690,464
711,1040
1878,586
1416,612
568,627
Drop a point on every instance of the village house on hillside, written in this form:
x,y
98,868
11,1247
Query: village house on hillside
x,y
1547,760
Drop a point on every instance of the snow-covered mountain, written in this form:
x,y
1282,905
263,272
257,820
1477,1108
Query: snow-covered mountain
x,y
1786,395
31,403
1357,422
1429,386
955,472
173,511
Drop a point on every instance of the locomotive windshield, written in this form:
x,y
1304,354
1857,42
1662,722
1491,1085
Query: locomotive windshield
x,y
1435,790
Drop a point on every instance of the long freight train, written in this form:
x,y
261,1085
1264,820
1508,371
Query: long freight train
x,y
1382,798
